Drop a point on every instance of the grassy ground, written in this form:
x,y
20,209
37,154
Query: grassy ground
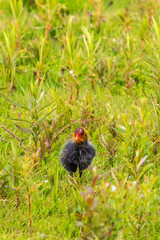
x,y
66,64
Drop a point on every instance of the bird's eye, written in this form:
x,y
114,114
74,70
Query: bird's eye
x,y
81,131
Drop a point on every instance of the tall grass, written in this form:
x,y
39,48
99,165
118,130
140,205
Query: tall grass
x,y
66,64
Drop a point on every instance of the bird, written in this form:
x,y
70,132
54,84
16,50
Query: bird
x,y
78,153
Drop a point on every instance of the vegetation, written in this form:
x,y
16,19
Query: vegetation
x,y
67,64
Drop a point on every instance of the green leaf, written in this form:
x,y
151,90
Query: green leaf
x,y
45,106
24,129
14,150
15,103
144,170
47,114
5,170
23,90
41,96
141,162
3,88
131,167
21,120
29,104
114,175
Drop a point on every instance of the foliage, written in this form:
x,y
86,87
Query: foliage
x,y
66,64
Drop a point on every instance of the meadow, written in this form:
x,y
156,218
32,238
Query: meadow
x,y
80,63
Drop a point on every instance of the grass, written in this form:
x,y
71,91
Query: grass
x,y
66,64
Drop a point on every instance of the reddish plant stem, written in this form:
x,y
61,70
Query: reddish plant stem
x,y
71,91
10,132
77,95
92,83
127,75
48,26
17,145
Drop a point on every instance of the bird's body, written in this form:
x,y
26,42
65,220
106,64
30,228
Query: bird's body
x,y
77,154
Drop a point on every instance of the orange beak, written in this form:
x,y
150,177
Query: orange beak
x,y
77,138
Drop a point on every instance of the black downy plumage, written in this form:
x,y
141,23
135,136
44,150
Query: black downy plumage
x,y
78,153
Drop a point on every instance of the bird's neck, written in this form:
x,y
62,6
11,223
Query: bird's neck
x,y
82,144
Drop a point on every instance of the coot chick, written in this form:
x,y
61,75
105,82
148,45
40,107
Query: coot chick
x,y
78,153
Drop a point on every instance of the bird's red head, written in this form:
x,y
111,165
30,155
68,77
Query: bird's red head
x,y
80,135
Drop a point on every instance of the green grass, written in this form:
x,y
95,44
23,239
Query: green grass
x,y
65,64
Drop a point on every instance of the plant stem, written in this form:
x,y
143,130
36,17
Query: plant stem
x,y
18,200
10,132
29,210
71,91
77,94
127,75
92,80
17,145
